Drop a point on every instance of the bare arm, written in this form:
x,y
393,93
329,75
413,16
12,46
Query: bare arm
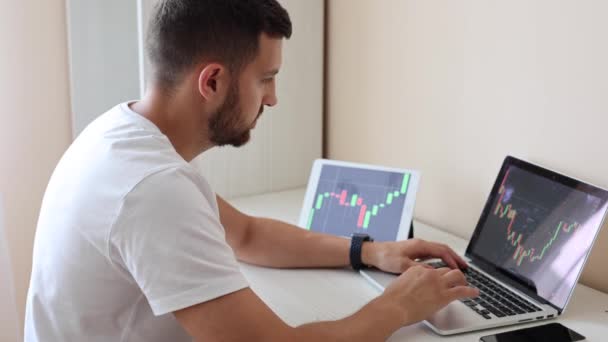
x,y
242,316
273,243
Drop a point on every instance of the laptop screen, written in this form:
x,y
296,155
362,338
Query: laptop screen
x,y
538,227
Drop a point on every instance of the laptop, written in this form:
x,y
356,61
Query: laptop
x,y
527,251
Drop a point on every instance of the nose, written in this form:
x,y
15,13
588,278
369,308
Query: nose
x,y
271,99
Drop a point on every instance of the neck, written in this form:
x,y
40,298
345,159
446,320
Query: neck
x,y
177,116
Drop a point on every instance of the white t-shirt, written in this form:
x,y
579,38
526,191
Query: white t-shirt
x,y
128,233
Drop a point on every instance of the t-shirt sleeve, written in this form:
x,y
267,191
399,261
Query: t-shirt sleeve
x,y
170,240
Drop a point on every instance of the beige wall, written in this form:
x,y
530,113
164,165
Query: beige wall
x,y
451,87
34,121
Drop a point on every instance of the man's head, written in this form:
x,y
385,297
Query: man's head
x,y
233,47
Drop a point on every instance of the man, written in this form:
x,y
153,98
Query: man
x,y
133,245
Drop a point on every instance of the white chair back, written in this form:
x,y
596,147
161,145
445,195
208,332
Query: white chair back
x,y
9,326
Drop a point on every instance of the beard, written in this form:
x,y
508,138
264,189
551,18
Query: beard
x,y
225,126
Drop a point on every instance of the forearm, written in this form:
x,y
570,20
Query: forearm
x,y
376,321
242,315
274,243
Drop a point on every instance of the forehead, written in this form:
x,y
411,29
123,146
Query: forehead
x,y
269,55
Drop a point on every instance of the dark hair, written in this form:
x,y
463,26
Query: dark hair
x,y
182,33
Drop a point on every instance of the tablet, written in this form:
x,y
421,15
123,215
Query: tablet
x,y
343,198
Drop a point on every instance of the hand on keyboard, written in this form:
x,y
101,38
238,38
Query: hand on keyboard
x,y
397,257
495,300
421,291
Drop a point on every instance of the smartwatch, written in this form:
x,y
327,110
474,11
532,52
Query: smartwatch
x,y
356,244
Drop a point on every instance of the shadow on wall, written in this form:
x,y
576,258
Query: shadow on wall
x,y
9,328
597,261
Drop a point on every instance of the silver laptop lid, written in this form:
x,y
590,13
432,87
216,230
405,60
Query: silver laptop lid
x,y
537,229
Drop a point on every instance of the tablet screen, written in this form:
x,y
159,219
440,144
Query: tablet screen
x,y
351,200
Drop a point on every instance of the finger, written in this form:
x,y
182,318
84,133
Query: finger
x,y
442,271
459,292
446,256
417,263
459,260
437,250
454,278
415,270
449,259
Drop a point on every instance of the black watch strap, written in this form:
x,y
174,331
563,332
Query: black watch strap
x,y
356,245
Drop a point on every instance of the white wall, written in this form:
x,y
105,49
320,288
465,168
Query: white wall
x,y
106,68
104,57
35,124
451,87
289,136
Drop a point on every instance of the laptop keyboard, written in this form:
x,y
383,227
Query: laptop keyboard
x,y
494,299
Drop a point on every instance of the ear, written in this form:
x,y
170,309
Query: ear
x,y
211,80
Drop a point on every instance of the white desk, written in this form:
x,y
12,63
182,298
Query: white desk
x,y
302,296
